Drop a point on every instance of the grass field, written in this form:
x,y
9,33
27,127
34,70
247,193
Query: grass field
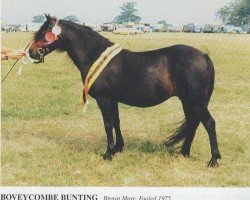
x,y
48,141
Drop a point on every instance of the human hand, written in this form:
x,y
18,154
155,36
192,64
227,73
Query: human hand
x,y
16,55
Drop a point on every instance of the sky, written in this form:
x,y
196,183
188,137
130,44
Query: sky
x,y
176,12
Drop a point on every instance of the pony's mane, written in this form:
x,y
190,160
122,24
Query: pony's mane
x,y
86,31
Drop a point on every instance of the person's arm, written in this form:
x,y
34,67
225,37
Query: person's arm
x,y
15,55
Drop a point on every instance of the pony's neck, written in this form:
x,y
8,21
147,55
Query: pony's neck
x,y
83,45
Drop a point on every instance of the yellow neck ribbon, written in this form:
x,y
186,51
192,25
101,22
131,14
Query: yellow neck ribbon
x,y
96,69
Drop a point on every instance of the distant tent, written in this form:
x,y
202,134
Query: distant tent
x,y
30,27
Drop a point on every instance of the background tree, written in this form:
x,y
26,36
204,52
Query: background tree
x,y
224,14
236,13
241,14
72,18
127,13
165,25
39,19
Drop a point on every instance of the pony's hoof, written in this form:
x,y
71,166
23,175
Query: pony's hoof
x,y
118,149
185,153
213,163
107,156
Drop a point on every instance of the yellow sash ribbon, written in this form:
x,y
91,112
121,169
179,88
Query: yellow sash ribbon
x,y
96,69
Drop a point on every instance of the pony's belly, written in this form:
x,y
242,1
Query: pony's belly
x,y
143,102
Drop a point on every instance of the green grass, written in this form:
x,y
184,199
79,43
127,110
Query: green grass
x,y
48,141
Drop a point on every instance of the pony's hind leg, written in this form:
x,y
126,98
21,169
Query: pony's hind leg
x,y
191,124
202,113
209,124
195,115
116,123
186,131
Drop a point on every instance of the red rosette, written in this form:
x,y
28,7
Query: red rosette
x,y
50,37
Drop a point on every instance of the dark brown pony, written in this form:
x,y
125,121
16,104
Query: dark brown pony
x,y
141,79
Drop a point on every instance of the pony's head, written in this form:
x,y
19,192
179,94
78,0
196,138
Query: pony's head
x,y
46,39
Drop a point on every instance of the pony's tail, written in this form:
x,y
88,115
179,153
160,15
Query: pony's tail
x,y
177,137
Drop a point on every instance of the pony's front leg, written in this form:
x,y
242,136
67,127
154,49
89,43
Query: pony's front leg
x,y
116,124
106,106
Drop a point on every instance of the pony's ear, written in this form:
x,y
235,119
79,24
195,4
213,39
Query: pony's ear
x,y
48,17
